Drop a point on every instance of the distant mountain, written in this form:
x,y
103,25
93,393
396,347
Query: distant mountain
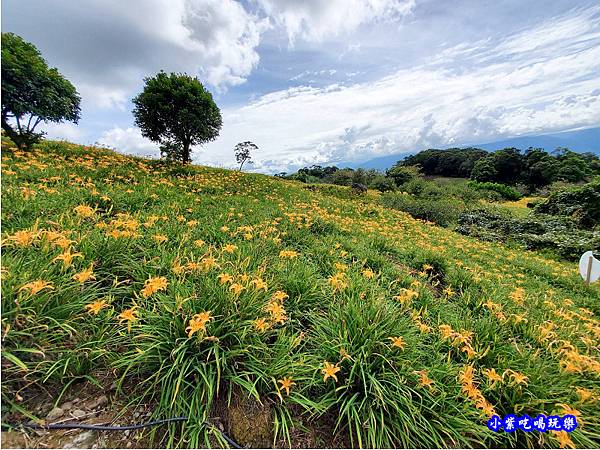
x,y
587,140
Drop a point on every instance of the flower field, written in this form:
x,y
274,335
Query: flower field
x,y
202,285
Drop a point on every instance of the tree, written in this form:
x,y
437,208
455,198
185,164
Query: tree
x,y
176,111
242,152
484,170
403,174
32,92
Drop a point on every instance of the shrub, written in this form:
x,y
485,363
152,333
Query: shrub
x,y
506,192
443,212
582,204
536,232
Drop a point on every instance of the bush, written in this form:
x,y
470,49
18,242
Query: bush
x,y
443,212
506,192
582,204
537,232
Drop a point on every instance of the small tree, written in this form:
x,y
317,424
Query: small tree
x,y
178,112
242,152
32,92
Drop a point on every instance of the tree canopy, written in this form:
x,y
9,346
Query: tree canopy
x,y
176,111
32,92
535,167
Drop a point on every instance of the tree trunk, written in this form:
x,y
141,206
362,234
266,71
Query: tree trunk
x,y
12,134
186,153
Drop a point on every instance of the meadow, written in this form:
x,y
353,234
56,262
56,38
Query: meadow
x,y
196,287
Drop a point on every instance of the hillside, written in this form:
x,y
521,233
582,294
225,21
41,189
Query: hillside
x,y
289,314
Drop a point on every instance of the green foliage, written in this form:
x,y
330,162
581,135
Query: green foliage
x,y
32,92
536,232
403,174
534,168
368,289
453,162
581,204
372,179
505,191
484,170
178,112
443,212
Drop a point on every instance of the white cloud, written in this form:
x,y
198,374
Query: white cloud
x,y
319,19
129,141
62,131
547,88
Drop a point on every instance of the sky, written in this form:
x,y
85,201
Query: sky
x,y
323,81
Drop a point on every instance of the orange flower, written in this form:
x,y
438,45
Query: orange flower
x,y
154,284
198,323
397,342
329,370
36,286
95,307
286,383
129,316
261,325
85,275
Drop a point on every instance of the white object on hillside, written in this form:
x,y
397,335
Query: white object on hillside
x,y
589,267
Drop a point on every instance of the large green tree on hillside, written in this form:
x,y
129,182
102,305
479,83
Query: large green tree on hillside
x,y
178,112
32,92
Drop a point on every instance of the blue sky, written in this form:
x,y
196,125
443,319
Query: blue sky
x,y
322,81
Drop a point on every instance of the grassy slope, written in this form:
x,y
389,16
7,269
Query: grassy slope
x,y
362,274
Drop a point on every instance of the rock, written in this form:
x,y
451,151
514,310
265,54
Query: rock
x,y
81,440
78,413
66,406
100,401
54,414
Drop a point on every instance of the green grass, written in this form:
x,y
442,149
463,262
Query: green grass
x,y
510,310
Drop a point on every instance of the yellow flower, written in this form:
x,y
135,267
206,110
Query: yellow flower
x,y
585,394
84,211
198,323
563,439
405,296
259,284
446,331
67,258
36,286
277,312
368,273
337,281
129,316
291,254
154,284
492,376
279,296
23,238
225,278
160,238
177,268
286,383
85,275
485,406
95,307
397,342
425,381
236,288
448,292
229,248
208,262
329,370
199,243
261,324
516,377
